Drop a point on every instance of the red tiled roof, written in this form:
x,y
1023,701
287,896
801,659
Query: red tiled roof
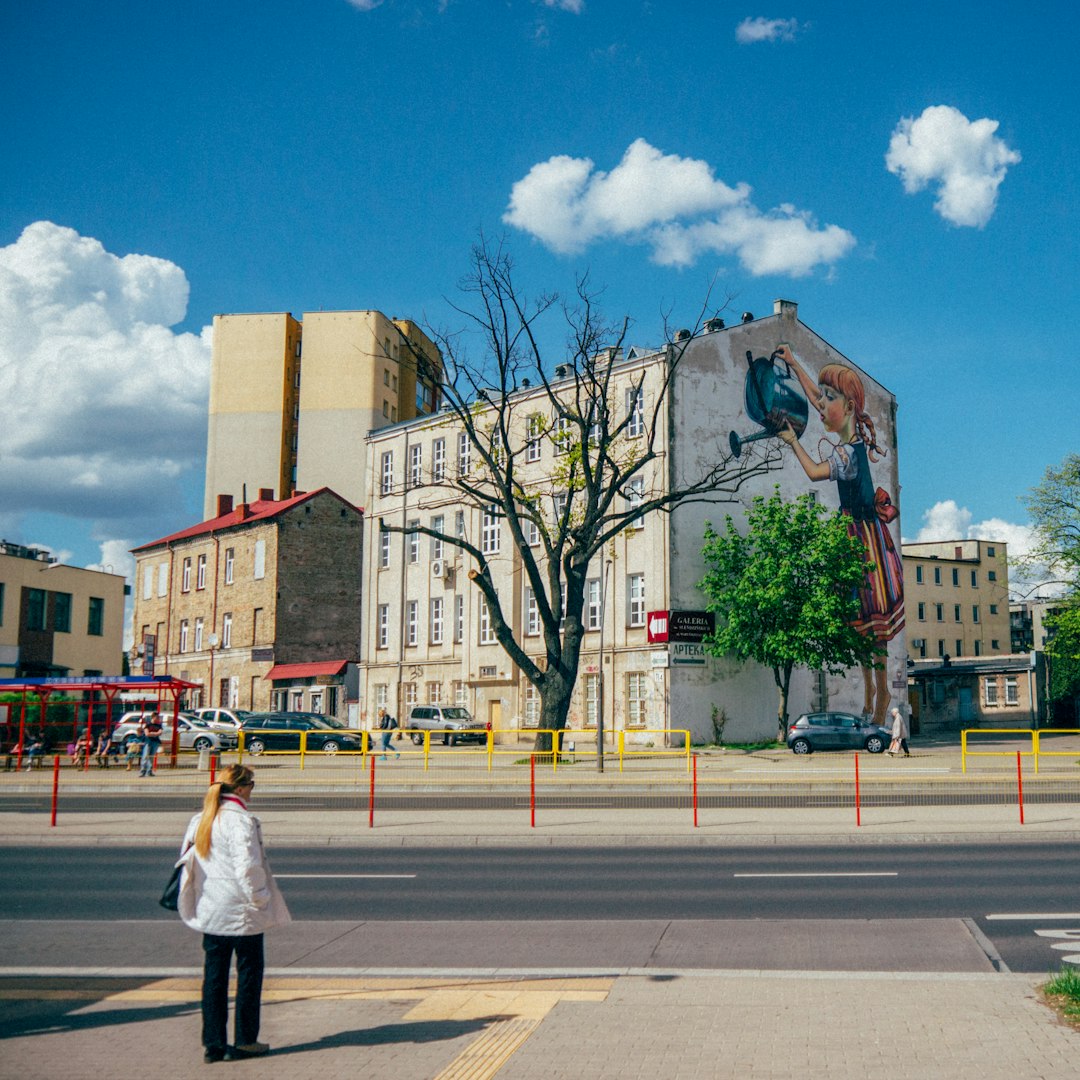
x,y
300,671
260,510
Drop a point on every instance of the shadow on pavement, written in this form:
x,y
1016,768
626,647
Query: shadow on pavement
x,y
422,1031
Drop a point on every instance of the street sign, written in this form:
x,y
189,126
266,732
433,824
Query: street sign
x,y
149,648
657,626
688,652
692,626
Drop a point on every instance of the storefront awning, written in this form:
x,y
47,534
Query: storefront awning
x,y
305,671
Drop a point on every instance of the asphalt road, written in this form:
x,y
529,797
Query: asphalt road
x,y
906,906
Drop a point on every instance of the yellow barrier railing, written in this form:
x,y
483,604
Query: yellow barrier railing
x,y
654,751
1035,752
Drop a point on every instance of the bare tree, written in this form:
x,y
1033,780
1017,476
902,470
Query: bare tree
x,y
610,451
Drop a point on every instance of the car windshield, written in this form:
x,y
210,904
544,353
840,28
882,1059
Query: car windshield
x,y
333,722
320,723
456,714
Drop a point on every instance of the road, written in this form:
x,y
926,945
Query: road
x,y
839,906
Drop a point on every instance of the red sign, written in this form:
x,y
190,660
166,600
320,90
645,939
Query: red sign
x,y
686,626
657,626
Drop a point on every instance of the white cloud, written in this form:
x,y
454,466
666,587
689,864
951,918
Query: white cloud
x,y
751,31
575,7
964,157
673,204
104,405
365,5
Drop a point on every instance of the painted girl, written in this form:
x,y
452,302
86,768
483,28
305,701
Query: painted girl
x,y
840,400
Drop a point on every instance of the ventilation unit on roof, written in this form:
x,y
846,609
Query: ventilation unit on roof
x,y
747,316
712,325
683,335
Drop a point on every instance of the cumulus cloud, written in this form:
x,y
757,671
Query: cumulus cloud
x,y
104,405
673,204
365,5
575,7
965,158
947,521
751,31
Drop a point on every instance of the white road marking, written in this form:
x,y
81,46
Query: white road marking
x,y
1037,917
337,876
881,873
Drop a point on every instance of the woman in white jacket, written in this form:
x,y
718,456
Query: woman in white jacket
x,y
228,893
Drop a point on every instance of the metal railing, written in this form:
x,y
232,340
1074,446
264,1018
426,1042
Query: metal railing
x,y
1034,738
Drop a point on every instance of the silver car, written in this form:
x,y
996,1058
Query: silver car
x,y
194,734
836,731
456,724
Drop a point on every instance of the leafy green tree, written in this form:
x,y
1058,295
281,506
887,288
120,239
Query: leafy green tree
x,y
785,591
1063,648
1054,505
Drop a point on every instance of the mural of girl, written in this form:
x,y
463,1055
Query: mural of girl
x,y
840,399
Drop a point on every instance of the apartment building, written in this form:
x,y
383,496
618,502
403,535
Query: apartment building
x,y
292,400
427,637
261,590
57,620
957,599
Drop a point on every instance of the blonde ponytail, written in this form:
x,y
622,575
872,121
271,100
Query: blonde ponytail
x,y
233,777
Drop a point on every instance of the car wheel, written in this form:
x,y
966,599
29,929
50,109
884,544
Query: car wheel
x,y
256,746
801,746
330,747
417,738
447,739
875,744
204,744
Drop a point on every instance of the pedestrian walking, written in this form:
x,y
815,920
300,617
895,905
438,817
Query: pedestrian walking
x,y
229,895
899,733
150,729
387,725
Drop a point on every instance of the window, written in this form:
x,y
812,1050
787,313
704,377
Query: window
x,y
635,496
163,579
436,626
993,609
1012,692
937,575
959,648
383,620
535,430
564,435
412,541
559,502
974,612
260,560
226,630
384,550
386,409
416,466
635,697
918,575
62,612
438,460
461,693
425,396
256,615
148,582
183,635
386,472
230,565
185,576
592,699
434,693
939,612
956,577
635,600
487,634
386,377
532,614
956,612
459,524
198,635
532,706
459,619
532,533
990,690
464,453
922,612
412,621
1,603
381,696
408,695
592,604
438,524
995,645
991,575
940,648
990,551
978,647
975,579
490,531
200,573
635,410
95,621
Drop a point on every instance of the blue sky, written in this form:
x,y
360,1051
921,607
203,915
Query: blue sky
x,y
907,174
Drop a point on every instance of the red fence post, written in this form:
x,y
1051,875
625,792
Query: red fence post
x,y
695,790
1020,786
371,797
532,791
55,787
858,798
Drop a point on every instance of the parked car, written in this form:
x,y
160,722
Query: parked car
x,y
194,734
223,719
836,731
281,731
456,724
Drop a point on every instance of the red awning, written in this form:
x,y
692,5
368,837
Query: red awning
x,y
304,671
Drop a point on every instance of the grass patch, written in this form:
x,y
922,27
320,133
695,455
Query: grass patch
x,y
1063,994
764,744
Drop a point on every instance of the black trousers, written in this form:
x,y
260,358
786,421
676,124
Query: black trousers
x,y
218,953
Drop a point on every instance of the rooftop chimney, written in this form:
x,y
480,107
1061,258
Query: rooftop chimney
x,y
224,505
788,308
266,494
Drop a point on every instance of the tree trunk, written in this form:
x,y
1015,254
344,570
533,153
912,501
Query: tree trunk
x,y
783,682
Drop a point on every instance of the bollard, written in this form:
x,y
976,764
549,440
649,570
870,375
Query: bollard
x,y
858,801
695,790
204,759
55,787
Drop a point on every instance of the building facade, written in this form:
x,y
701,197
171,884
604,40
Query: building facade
x,y
291,401
426,635
957,599
265,584
55,619
993,692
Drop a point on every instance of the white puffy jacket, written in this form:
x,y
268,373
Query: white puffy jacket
x,y
231,892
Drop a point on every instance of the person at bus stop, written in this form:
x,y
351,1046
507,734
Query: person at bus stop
x,y
387,724
229,895
150,729
101,754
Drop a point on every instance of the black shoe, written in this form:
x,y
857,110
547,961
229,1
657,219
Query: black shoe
x,y
213,1054
248,1050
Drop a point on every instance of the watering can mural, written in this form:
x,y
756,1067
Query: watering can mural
x,y
773,399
